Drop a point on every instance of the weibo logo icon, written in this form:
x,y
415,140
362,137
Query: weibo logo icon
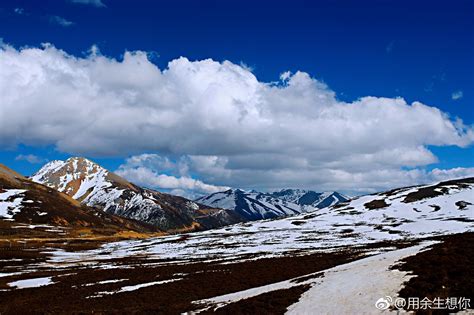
x,y
383,303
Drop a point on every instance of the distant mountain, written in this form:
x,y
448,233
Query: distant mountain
x,y
29,208
311,198
407,214
253,205
93,185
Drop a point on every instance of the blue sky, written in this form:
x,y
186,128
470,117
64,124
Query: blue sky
x,y
418,50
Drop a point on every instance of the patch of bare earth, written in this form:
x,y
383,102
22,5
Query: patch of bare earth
x,y
376,204
445,270
275,302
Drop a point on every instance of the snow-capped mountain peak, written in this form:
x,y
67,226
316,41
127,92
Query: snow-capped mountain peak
x,y
93,185
78,177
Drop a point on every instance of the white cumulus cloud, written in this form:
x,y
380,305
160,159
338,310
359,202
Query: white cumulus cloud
x,y
216,121
147,170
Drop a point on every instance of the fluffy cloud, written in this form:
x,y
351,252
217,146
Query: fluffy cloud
x,y
292,172
264,173
217,120
147,170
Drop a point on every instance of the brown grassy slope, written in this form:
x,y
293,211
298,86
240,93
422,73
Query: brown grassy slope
x,y
61,210
445,270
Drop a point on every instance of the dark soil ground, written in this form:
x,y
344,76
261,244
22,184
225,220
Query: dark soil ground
x,y
76,289
376,204
202,280
446,270
275,302
437,190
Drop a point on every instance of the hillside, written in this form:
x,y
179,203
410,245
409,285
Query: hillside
x,y
31,209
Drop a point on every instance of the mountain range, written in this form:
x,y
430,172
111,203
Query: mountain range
x,y
94,186
311,198
254,205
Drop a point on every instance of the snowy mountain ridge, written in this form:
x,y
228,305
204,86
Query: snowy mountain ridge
x,y
253,205
80,178
95,186
311,198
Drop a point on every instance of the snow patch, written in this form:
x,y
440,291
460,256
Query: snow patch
x,y
133,287
31,283
9,206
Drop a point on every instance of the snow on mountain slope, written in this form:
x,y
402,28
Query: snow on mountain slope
x,y
402,214
79,178
95,186
310,198
10,202
253,205
31,209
